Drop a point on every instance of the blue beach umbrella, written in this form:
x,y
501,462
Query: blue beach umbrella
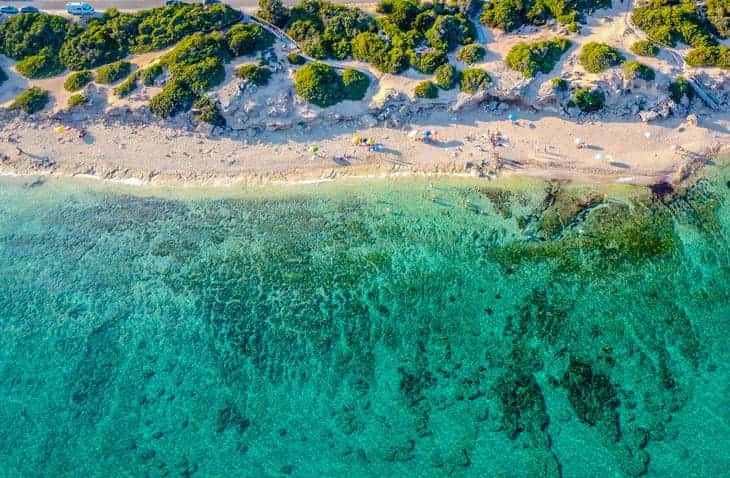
x,y
512,117
426,133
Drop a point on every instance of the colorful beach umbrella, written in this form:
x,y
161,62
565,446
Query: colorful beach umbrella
x,y
356,139
371,141
512,117
647,135
426,133
600,156
314,149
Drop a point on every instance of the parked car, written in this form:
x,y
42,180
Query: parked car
x,y
29,9
80,9
8,10
172,2
210,2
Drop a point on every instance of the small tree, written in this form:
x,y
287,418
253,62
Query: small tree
x,y
426,89
471,53
31,100
474,80
319,84
273,11
587,99
597,57
355,84
446,76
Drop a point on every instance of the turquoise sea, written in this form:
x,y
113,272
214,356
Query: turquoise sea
x,y
387,328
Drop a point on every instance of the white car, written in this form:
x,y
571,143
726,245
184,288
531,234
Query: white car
x,y
80,9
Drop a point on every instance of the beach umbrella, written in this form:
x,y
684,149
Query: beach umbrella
x,y
578,141
600,156
313,158
426,133
675,147
512,117
356,139
371,141
60,129
376,148
314,149
412,133
647,135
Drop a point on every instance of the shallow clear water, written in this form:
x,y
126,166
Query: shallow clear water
x,y
395,328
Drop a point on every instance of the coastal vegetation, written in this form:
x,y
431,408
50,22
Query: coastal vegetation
x,y
588,99
43,64
446,76
633,70
718,14
537,57
679,89
474,80
355,83
509,15
426,89
321,85
127,86
645,48
596,57
76,81
471,53
258,75
112,72
559,84
718,56
77,99
150,74
296,59
206,110
30,101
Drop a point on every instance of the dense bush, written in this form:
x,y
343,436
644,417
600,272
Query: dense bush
x,y
680,88
511,14
78,80
667,21
112,72
634,70
127,86
559,84
645,48
31,100
541,56
43,64
587,99
174,97
718,56
471,53
448,31
596,57
194,49
718,14
296,59
245,39
355,84
474,80
24,35
115,35
258,75
150,74
77,100
319,84
273,11
446,76
428,61
426,89
206,111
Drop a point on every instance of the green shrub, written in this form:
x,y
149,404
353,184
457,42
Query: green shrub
x,y
175,96
43,64
355,84
718,56
506,15
31,100
150,74
115,35
587,99
112,72
559,84
296,59
273,11
248,38
667,22
446,76
26,35
645,48
319,84
77,100
206,111
428,61
596,57
127,86
718,14
680,88
511,14
634,70
471,53
474,80
78,80
426,89
541,56
3,76
194,49
258,75
448,31
202,76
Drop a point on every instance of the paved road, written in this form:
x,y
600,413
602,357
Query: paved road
x,y
101,5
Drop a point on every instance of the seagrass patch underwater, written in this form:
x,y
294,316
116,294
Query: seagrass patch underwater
x,y
420,327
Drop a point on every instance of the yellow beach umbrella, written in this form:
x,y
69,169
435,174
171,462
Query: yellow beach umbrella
x,y
371,141
356,139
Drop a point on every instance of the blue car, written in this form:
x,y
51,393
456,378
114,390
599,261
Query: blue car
x,y
28,9
8,10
